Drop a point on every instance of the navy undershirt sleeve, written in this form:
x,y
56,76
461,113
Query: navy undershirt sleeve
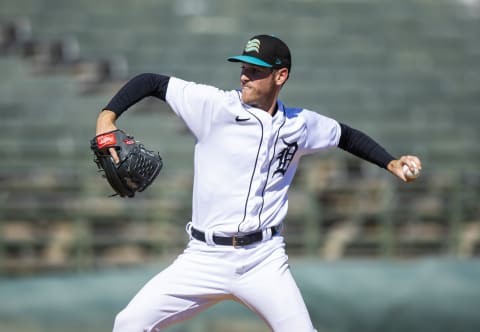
x,y
363,146
139,87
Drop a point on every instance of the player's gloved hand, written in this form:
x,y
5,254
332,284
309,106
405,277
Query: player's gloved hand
x,y
136,167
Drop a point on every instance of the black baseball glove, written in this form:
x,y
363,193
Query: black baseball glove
x,y
137,166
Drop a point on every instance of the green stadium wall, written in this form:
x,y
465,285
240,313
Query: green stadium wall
x,y
347,296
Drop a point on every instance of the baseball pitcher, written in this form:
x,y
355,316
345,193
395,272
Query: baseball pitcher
x,y
248,146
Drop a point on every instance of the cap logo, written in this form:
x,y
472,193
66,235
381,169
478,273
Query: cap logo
x,y
253,45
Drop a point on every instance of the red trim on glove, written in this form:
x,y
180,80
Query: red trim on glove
x,y
106,140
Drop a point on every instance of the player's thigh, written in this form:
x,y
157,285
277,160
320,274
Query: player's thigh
x,y
274,295
168,310
172,296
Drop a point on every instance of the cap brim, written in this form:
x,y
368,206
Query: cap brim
x,y
249,59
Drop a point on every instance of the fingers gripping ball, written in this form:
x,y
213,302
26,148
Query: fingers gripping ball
x,y
409,174
137,166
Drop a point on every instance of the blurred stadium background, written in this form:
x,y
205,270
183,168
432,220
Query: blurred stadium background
x,y
369,253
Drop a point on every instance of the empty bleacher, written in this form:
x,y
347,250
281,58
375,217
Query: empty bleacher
x,y
407,73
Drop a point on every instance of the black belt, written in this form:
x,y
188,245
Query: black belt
x,y
236,241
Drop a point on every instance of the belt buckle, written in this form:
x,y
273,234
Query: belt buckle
x,y
240,241
235,241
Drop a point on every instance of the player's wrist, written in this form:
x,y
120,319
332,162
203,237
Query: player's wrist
x,y
105,122
391,165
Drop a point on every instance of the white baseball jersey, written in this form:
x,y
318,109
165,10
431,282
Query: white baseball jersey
x,y
245,159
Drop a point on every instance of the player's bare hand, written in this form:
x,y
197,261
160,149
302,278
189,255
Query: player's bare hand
x,y
407,168
106,123
114,155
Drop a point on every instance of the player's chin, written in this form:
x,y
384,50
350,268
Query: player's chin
x,y
247,96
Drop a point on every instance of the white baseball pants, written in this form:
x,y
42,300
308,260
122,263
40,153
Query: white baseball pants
x,y
257,276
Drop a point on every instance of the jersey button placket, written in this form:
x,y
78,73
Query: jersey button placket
x,y
255,199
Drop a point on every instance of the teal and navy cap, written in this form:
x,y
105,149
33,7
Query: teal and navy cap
x,y
265,51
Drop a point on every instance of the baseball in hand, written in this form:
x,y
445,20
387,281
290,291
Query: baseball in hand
x,y
409,174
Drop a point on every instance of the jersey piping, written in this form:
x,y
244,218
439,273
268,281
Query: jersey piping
x,y
268,173
253,173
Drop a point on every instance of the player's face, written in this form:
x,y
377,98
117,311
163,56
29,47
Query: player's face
x,y
259,86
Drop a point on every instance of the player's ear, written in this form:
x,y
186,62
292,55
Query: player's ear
x,y
281,75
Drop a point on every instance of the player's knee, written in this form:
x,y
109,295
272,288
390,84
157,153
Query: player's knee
x,y
294,323
121,321
135,320
128,321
